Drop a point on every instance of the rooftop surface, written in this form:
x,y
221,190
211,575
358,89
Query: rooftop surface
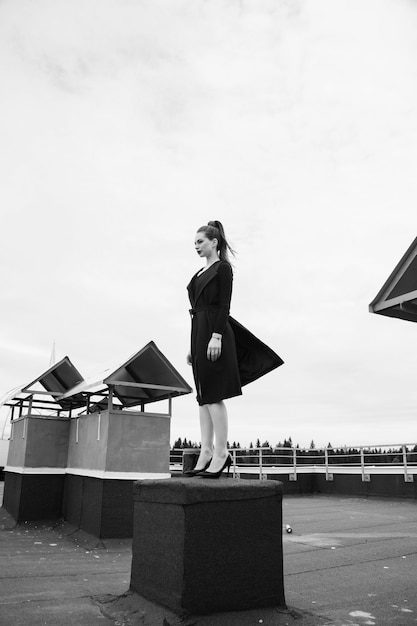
x,y
348,561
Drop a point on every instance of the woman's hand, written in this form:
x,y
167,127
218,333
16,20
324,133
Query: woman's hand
x,y
214,348
189,359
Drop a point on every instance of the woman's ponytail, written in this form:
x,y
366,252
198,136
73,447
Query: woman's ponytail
x,y
215,230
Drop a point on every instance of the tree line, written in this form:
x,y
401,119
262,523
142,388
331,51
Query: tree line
x,y
283,453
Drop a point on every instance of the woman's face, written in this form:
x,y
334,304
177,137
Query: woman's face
x,y
203,245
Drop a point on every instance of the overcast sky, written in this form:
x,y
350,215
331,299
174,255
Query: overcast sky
x,y
127,124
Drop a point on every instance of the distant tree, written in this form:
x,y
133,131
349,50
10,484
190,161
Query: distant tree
x,y
258,443
312,445
185,443
266,444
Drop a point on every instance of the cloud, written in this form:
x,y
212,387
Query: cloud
x,y
129,124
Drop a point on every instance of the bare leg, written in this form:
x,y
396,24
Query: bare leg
x,y
218,414
207,434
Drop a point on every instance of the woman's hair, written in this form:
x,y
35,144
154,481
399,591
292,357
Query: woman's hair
x,y
215,230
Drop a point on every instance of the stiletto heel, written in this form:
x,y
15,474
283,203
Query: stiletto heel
x,y
227,464
194,472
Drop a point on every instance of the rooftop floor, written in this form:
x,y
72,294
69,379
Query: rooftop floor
x,y
352,560
348,561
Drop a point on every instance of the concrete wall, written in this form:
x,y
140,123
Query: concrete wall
x,y
88,439
103,508
36,462
39,441
119,441
381,482
17,446
138,443
117,447
379,485
84,468
33,496
47,442
4,451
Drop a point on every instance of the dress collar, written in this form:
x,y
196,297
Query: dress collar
x,y
202,280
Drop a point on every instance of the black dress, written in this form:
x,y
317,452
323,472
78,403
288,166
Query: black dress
x,y
243,358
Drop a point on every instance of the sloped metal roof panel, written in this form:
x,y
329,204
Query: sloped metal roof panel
x,y
58,379
147,376
398,295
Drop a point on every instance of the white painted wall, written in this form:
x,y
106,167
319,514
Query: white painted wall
x,y
4,450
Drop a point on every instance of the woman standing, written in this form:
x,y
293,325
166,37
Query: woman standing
x,y
224,355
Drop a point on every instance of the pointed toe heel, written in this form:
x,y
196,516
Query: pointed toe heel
x,y
227,464
192,473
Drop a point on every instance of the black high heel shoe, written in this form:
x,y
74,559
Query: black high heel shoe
x,y
227,464
194,472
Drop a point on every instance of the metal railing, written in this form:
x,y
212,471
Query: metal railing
x,y
388,458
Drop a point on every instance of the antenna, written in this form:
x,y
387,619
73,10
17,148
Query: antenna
x,y
52,360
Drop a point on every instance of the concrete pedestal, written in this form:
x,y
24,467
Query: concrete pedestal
x,y
35,471
106,453
206,546
84,468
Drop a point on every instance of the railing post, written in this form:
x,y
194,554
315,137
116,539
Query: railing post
x,y
365,477
408,478
260,464
234,463
293,476
326,460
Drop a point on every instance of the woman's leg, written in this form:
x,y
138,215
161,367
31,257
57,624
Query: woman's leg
x,y
207,433
218,415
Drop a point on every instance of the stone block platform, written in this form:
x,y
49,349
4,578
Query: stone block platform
x,y
205,546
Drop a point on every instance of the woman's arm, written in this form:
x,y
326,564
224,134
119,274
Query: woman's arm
x,y
225,280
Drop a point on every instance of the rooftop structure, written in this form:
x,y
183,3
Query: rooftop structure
x,y
398,295
147,376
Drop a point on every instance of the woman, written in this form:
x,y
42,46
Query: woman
x,y
213,350
224,355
